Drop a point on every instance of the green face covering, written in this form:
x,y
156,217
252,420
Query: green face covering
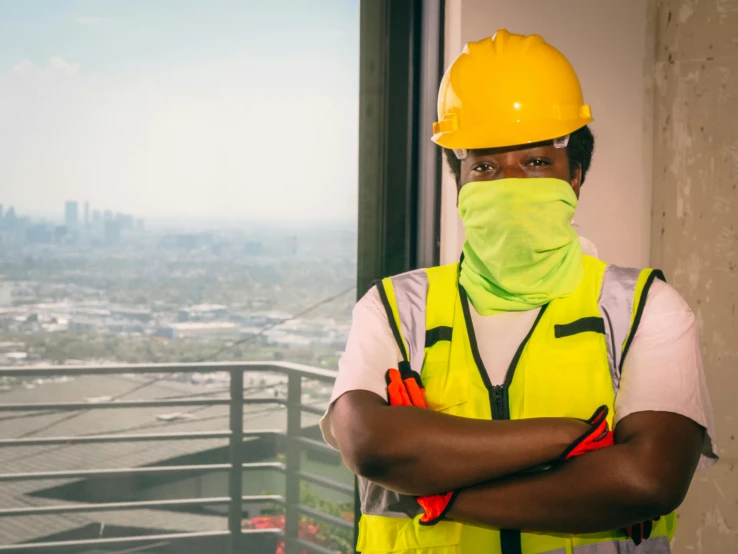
x,y
521,250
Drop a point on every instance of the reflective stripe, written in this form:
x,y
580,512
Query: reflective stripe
x,y
654,545
411,293
616,306
389,527
378,501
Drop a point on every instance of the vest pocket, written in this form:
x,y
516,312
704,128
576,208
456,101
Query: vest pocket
x,y
445,387
565,377
381,534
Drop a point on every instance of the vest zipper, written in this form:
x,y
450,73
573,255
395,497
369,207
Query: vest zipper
x,y
510,540
498,402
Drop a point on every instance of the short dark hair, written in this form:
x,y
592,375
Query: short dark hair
x,y
579,150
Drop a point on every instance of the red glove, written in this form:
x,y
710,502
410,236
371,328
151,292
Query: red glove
x,y
598,436
640,532
436,507
404,388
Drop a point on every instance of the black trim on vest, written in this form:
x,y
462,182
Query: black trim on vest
x,y
510,540
391,318
473,343
437,334
584,325
655,274
613,346
514,363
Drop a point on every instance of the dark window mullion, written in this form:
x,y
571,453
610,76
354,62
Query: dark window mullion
x,y
401,50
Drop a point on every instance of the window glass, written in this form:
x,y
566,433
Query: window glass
x,y
179,192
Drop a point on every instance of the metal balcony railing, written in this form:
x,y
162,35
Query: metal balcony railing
x,y
234,535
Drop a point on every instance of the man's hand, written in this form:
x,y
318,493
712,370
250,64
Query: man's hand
x,y
399,447
404,388
641,531
645,475
436,507
596,437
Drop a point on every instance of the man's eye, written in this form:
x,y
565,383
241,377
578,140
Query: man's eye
x,y
538,162
483,167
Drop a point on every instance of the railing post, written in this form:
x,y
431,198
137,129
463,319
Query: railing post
x,y
235,476
292,486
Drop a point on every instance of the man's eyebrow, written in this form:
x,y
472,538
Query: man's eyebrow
x,y
493,151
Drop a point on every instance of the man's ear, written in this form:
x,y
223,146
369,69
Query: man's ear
x,y
576,179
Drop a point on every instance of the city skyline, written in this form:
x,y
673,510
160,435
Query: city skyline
x,y
75,213
57,217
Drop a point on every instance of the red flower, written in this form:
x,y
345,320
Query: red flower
x,y
306,530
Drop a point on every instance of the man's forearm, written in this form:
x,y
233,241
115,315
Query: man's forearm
x,y
421,452
603,490
586,495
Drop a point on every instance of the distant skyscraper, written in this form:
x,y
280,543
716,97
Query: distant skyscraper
x,y
87,215
71,214
112,232
140,224
96,217
126,222
108,215
1,211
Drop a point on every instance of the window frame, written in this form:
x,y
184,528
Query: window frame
x,y
399,212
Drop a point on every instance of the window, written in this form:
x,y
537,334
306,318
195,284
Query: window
x,y
179,189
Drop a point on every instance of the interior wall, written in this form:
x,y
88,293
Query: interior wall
x,y
662,79
695,229
607,47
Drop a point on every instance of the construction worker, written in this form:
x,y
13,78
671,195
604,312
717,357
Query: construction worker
x,y
492,432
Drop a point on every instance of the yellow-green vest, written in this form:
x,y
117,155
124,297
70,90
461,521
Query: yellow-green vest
x,y
567,366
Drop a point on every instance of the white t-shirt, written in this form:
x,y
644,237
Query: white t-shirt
x,y
662,372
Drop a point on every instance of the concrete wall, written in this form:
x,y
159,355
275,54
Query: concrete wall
x,y
662,79
695,228
607,47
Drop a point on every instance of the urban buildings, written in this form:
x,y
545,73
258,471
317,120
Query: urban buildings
x,y
71,214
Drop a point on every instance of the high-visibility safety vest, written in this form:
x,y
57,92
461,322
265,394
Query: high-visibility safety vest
x,y
567,366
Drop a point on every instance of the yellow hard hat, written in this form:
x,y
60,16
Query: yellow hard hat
x,y
507,90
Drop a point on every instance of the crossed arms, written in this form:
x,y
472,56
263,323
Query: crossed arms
x,y
421,452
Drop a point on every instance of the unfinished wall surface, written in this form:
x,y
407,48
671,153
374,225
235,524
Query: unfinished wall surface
x,y
662,79
606,43
695,229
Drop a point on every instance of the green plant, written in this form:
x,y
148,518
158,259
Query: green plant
x,y
335,538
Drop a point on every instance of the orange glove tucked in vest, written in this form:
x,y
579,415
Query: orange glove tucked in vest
x,y
405,388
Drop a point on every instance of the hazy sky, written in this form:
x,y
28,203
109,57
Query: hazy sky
x,y
203,108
